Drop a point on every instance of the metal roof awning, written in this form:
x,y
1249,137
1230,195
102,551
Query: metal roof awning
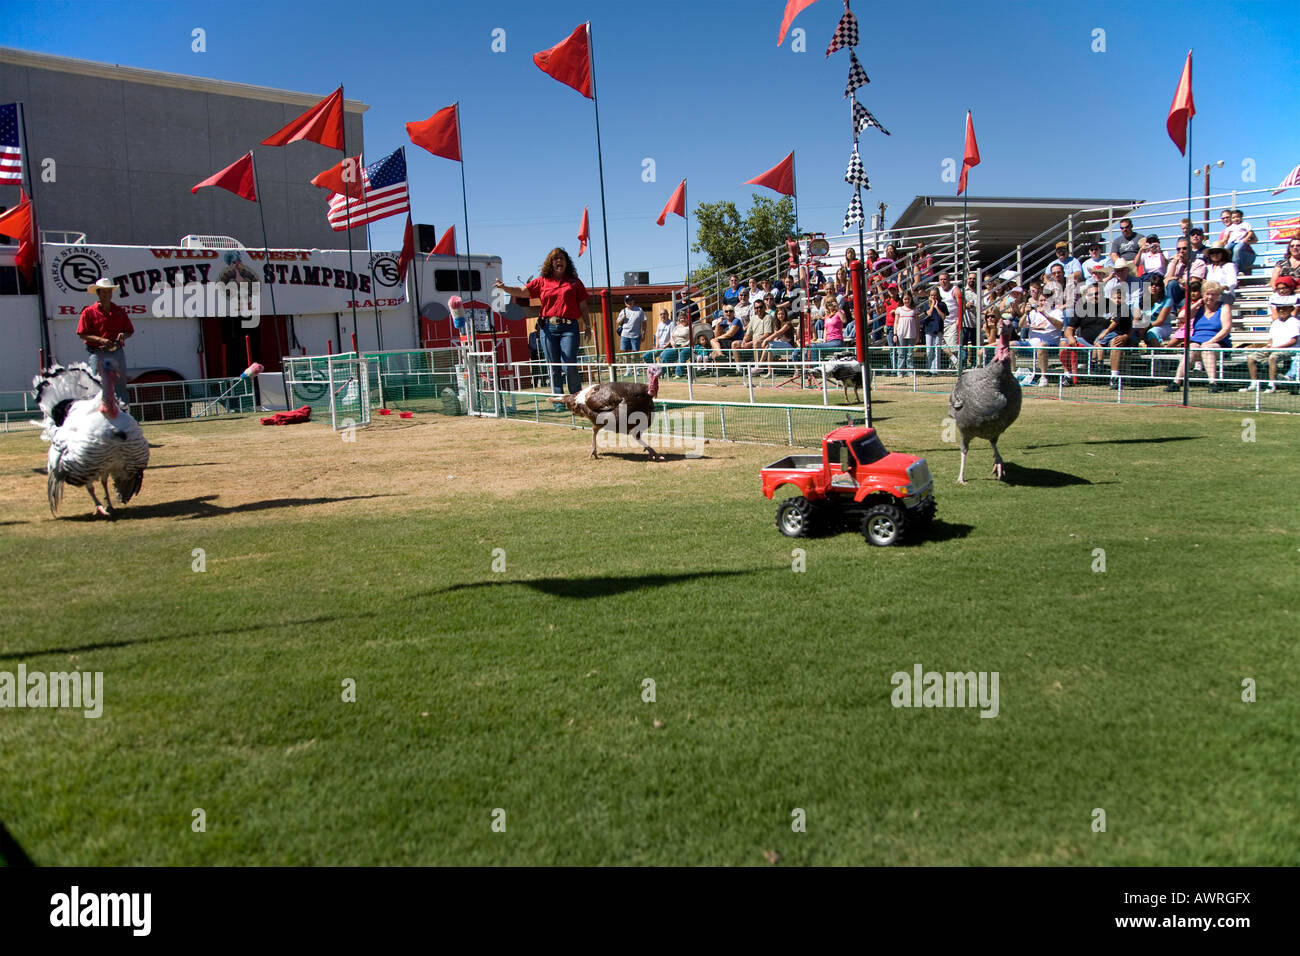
x,y
1004,221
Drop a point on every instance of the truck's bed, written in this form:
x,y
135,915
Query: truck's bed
x,y
797,463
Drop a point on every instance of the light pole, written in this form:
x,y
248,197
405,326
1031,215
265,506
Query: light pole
x,y
1205,171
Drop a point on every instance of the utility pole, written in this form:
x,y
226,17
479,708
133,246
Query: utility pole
x,y
1205,171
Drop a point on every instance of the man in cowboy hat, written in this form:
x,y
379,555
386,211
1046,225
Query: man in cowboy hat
x,y
104,327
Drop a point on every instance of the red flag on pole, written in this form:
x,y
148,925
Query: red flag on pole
x,y
779,178
971,157
792,9
408,248
17,224
1182,109
236,178
439,134
677,204
446,245
343,178
584,232
1292,179
569,61
323,124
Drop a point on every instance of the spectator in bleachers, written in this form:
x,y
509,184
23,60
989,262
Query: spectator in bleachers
x,y
758,330
1211,325
892,301
922,265
969,319
1289,265
1126,244
1283,336
663,338
732,292
816,278
1220,270
1068,263
951,321
781,338
1123,290
1045,325
1240,239
753,289
1151,258
1117,335
679,342
1084,324
1192,303
1095,265
727,333
1197,239
905,333
744,307
631,324
833,327
932,318
1152,325
1182,268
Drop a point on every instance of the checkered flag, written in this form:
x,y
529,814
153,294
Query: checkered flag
x,y
846,32
855,175
857,75
854,214
862,118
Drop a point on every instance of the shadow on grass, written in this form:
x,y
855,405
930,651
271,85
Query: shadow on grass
x,y
1122,441
1043,477
219,632
642,456
202,507
10,852
590,587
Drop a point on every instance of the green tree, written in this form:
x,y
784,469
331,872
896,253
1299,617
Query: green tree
x,y
726,239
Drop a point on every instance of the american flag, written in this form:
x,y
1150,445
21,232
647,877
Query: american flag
x,y
1292,180
11,154
383,194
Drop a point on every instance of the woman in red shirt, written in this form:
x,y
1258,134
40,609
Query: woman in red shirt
x,y
561,294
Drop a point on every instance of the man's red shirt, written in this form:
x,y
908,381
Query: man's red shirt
x,y
105,323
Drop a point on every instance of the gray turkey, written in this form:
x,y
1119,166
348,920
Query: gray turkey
x,y
845,368
985,401
626,407
92,436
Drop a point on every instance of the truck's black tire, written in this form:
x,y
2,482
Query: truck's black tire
x,y
920,519
883,525
797,517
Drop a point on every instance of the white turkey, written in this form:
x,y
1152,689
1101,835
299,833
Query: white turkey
x,y
845,368
92,436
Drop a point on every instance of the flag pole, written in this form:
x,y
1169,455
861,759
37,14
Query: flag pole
x,y
266,249
965,252
1187,302
44,321
600,163
686,211
347,211
464,205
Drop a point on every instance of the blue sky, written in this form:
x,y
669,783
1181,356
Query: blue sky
x,y
703,89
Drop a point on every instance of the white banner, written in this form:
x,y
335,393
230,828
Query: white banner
x,y
303,281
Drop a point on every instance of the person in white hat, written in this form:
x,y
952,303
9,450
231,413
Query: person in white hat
x,y
1283,336
104,328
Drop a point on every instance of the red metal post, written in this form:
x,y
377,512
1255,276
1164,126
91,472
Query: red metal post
x,y
329,347
860,334
607,323
248,349
354,343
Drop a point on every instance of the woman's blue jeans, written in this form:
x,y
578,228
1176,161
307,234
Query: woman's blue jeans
x,y
560,345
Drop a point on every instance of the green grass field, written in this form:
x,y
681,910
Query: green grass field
x,y
521,689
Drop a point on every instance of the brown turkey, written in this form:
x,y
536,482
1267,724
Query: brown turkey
x,y
626,407
985,401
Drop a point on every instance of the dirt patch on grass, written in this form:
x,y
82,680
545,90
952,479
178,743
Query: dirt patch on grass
x,y
238,467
